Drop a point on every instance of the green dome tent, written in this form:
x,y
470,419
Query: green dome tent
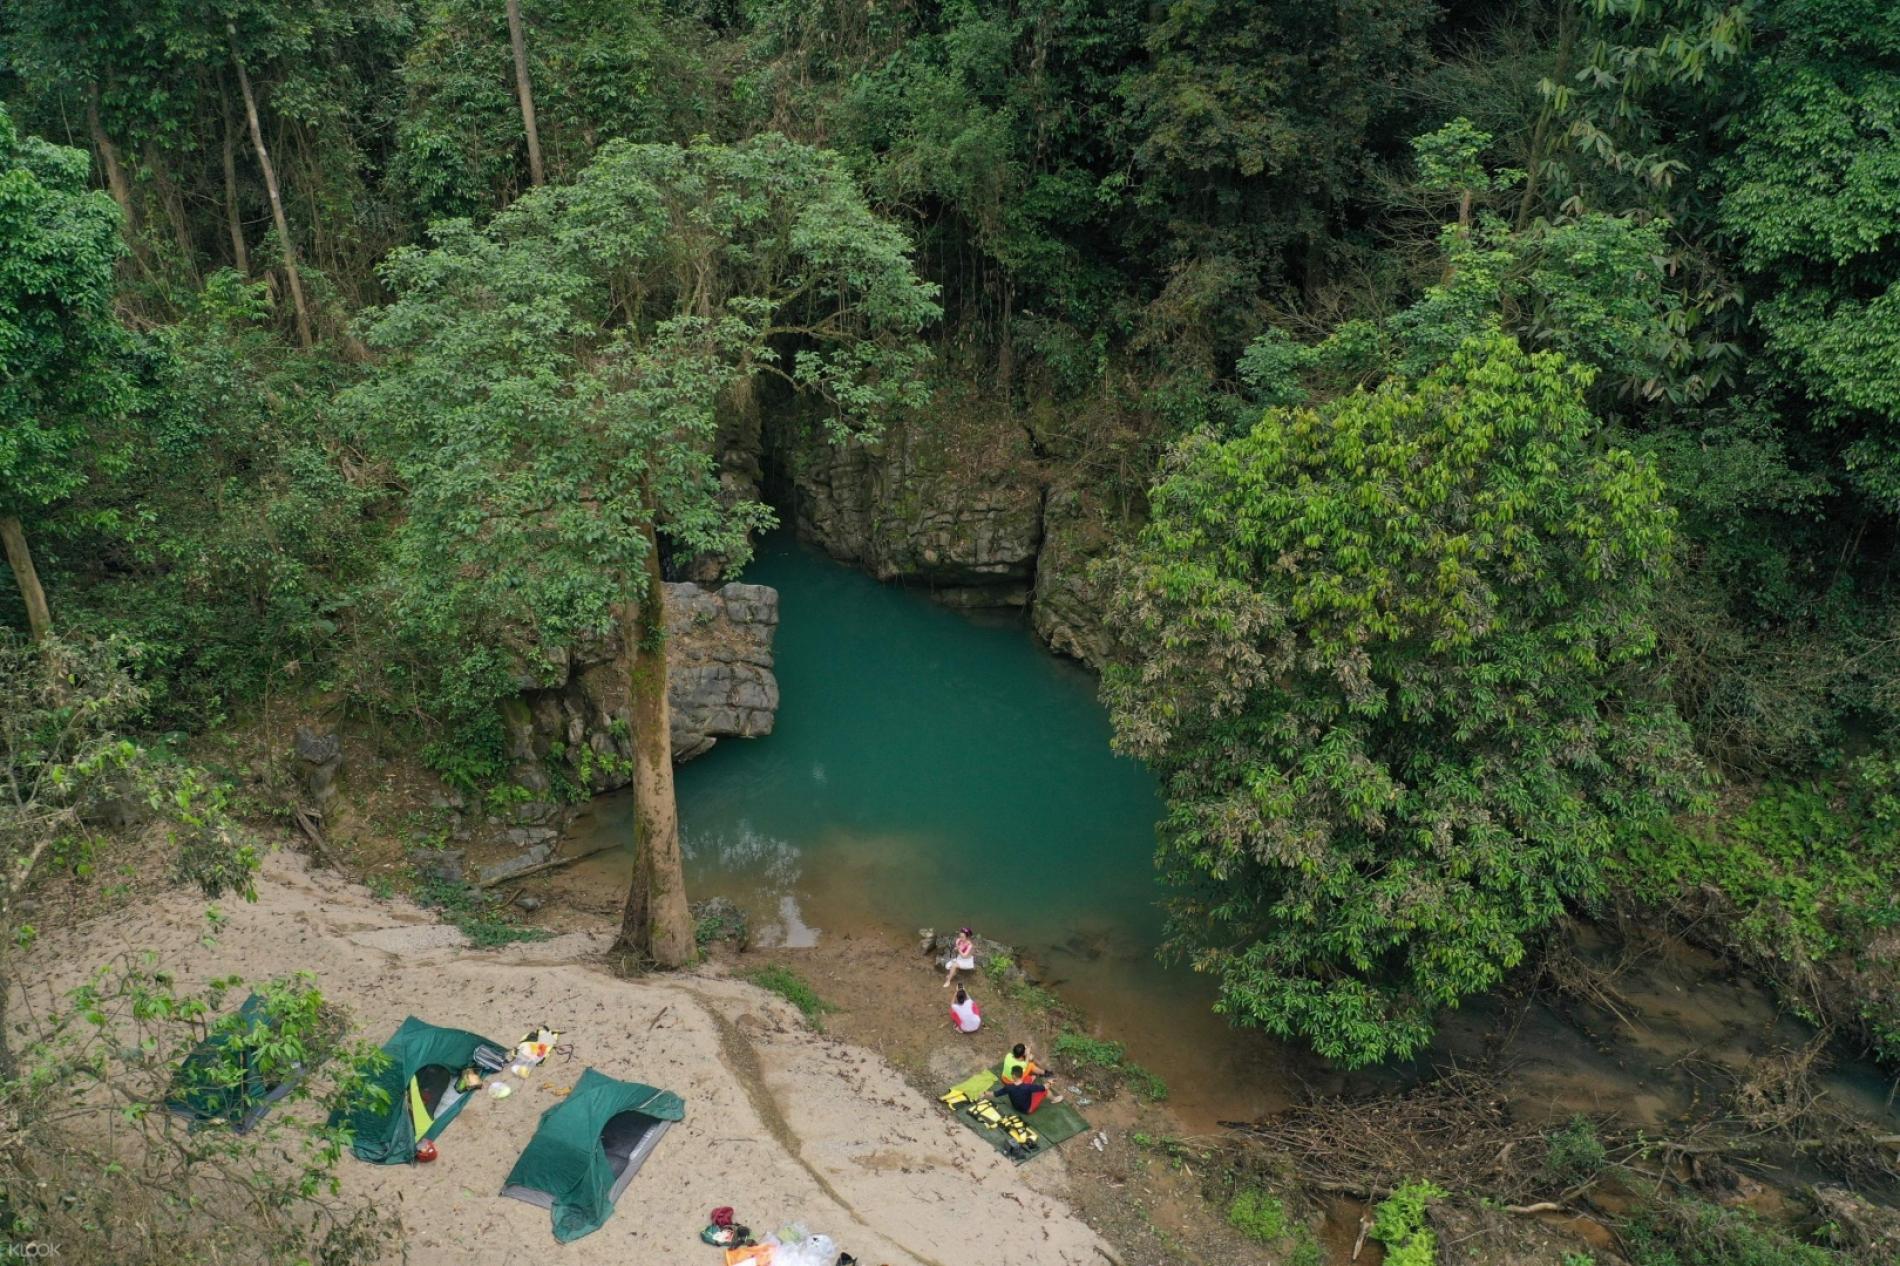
x,y
588,1148
420,1082
214,1084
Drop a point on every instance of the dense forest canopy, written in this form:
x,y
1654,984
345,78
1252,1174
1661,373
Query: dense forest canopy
x,y
1300,292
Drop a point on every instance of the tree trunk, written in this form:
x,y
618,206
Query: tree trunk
x,y
270,189
9,1066
116,183
109,158
239,254
657,925
174,210
40,620
523,90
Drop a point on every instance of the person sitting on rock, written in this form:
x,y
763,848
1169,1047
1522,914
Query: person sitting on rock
x,y
965,1014
962,958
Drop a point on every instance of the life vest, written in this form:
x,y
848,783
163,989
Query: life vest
x,y
1014,1069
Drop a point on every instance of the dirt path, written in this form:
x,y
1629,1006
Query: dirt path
x,y
782,1123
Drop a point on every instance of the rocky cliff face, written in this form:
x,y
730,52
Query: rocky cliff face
x,y
720,684
960,513
1067,608
964,506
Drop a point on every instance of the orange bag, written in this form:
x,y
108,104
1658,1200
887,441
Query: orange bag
x,y
755,1254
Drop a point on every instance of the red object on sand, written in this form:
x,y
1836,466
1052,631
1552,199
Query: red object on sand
x,y
425,1151
722,1216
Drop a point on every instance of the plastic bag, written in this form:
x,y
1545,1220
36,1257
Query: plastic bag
x,y
814,1250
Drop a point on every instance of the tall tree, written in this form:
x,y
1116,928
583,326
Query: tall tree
x,y
61,373
286,242
553,379
524,91
1392,657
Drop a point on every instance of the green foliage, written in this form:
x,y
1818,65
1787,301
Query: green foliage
x,y
63,378
119,1044
482,916
1398,1222
1574,1153
1691,1233
68,767
1258,1215
1803,871
551,385
792,987
1083,1053
600,69
1811,196
236,536
1395,675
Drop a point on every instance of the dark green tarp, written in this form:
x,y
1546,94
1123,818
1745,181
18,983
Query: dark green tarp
x,y
432,1057
1054,1123
588,1148
211,1086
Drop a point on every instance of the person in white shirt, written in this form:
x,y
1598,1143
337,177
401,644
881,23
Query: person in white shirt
x,y
965,1014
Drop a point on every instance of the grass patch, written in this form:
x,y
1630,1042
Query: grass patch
x,y
481,916
1262,1217
790,986
1258,1215
1079,1051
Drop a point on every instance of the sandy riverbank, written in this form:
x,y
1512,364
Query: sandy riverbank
x,y
783,1123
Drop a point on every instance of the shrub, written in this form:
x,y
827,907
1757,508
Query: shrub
x,y
1574,1152
1691,1233
1399,1224
1258,1215
98,1166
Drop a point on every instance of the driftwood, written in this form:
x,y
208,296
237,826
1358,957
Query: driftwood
x,y
541,868
307,820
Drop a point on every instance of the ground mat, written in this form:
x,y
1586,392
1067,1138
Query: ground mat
x,y
1054,1123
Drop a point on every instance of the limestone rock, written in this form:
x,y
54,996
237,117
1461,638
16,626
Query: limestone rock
x,y
448,865
319,758
957,507
938,946
1067,613
718,919
574,729
509,867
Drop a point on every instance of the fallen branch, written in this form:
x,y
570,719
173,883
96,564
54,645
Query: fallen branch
x,y
552,863
306,822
